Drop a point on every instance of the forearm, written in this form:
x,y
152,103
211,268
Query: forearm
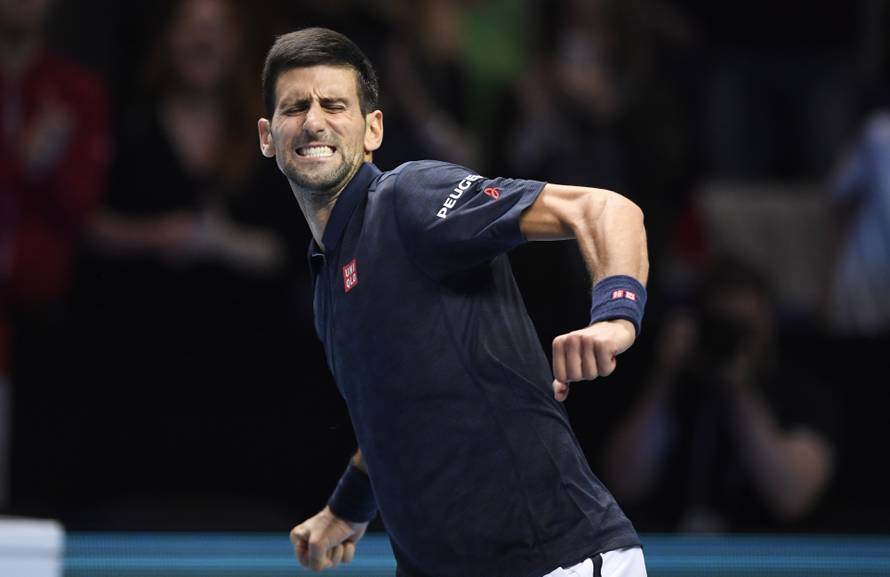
x,y
607,226
789,468
636,452
358,462
125,234
615,242
353,498
251,248
610,233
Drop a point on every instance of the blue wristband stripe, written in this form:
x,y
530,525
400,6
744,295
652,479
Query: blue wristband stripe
x,y
618,297
353,498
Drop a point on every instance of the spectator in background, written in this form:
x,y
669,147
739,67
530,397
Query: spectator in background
x,y
53,157
429,107
450,65
191,260
860,292
729,434
182,158
572,100
601,105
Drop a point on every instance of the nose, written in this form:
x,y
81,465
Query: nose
x,y
314,120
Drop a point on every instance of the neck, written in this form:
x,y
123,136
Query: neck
x,y
317,207
16,50
317,214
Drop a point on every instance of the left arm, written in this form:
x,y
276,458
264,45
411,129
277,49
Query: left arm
x,y
610,234
790,467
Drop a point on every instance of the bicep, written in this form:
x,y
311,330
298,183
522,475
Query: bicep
x,y
559,209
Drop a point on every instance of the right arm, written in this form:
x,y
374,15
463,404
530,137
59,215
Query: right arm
x,y
326,540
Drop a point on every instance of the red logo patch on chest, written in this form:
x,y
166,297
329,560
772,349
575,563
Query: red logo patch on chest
x,y
350,275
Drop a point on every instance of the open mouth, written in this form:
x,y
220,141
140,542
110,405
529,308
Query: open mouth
x,y
316,151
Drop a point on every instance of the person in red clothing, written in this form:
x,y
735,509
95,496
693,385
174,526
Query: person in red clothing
x,y
53,157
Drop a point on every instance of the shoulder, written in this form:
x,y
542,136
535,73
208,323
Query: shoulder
x,y
419,185
424,185
420,175
416,184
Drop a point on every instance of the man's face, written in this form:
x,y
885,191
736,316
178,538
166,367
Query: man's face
x,y
202,43
318,133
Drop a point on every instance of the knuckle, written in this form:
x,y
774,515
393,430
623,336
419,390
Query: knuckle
x,y
598,339
316,547
592,341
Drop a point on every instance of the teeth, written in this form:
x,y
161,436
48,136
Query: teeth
x,y
315,151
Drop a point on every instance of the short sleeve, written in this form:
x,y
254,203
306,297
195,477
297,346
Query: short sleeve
x,y
452,219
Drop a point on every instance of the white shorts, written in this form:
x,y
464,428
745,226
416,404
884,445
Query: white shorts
x,y
627,562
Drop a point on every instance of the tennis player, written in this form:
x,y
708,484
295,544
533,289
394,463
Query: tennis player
x,y
464,447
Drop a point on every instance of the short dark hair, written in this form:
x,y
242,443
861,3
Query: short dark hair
x,y
314,46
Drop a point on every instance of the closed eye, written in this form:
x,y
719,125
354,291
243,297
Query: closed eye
x,y
295,109
333,105
328,104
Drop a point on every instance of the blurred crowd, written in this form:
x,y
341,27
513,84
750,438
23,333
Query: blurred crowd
x,y
158,366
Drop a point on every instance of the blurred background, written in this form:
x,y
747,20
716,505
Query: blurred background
x,y
158,366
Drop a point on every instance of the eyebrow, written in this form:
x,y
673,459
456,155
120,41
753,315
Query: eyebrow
x,y
333,100
324,100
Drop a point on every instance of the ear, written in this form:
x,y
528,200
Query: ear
x,y
267,144
373,131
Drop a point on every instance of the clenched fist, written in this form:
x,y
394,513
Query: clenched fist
x,y
589,353
325,540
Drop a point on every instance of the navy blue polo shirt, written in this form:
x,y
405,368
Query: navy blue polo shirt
x,y
474,466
